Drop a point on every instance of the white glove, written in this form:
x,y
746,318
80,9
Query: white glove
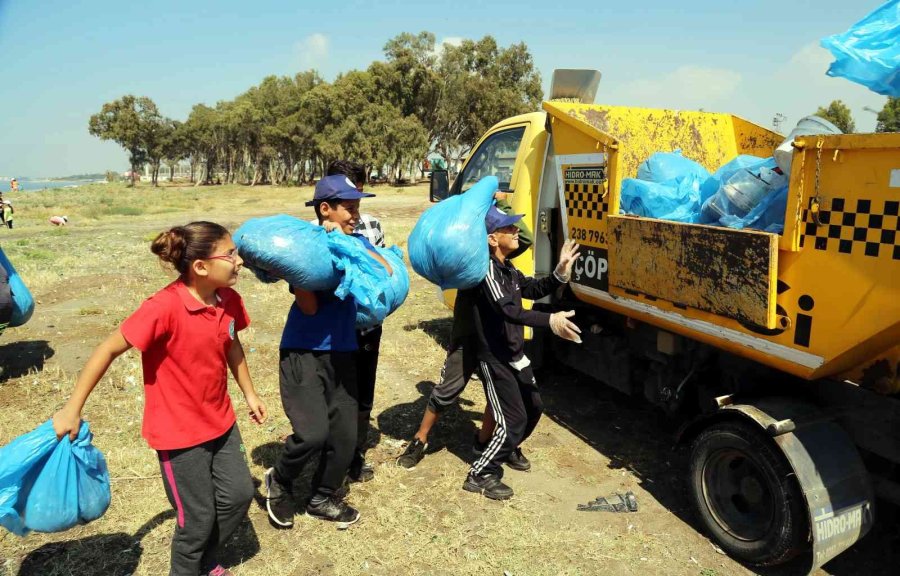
x,y
565,328
567,257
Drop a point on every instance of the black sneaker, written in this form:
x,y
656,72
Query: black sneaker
x,y
334,510
488,484
518,461
478,448
279,501
360,470
413,454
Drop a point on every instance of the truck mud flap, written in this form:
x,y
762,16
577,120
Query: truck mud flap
x,y
831,474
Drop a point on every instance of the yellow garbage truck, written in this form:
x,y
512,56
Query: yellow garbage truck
x,y
779,351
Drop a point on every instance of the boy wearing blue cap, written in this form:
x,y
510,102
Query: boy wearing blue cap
x,y
507,377
318,378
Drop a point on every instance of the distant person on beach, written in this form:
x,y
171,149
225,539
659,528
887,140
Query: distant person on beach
x,y
13,185
6,213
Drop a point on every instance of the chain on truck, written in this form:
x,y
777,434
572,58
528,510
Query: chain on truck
x,y
778,352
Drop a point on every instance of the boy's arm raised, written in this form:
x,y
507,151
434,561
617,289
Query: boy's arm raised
x,y
68,419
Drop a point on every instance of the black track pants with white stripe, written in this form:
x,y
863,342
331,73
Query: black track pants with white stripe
x,y
517,405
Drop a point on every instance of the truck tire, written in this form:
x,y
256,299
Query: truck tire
x,y
746,494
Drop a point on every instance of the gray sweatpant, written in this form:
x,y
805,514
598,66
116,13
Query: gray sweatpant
x,y
210,488
458,368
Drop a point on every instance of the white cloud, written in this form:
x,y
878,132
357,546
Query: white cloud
x,y
687,88
313,51
448,41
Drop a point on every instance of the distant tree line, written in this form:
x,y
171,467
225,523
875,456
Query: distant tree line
x,y
422,98
839,114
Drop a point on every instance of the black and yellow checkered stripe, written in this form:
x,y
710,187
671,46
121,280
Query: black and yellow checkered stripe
x,y
854,227
585,201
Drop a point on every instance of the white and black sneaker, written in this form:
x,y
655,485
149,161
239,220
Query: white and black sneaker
x,y
279,501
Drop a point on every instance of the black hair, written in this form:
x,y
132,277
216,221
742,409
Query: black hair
x,y
318,206
351,170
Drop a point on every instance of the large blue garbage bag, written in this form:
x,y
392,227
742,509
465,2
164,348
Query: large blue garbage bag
x,y
376,292
767,216
23,302
745,183
869,52
670,167
49,485
667,187
394,288
283,247
679,202
448,245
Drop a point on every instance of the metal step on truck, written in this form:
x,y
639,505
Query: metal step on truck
x,y
778,352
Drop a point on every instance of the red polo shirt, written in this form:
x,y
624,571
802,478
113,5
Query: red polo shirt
x,y
184,345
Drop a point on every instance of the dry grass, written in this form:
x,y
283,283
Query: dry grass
x,y
89,276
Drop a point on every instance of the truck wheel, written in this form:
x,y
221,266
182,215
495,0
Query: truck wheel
x,y
746,494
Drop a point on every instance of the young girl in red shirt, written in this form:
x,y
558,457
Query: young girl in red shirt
x,y
187,334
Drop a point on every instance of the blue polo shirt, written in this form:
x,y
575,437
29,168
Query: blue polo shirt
x,y
333,326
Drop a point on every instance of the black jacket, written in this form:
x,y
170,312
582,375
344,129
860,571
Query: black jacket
x,y
499,316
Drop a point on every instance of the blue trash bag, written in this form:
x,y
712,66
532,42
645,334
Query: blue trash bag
x,y
869,52
670,167
23,302
767,216
726,171
679,202
360,274
389,290
394,287
92,475
283,247
745,182
448,245
49,485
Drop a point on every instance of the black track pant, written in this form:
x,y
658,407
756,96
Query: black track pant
x,y
517,405
366,367
318,392
210,488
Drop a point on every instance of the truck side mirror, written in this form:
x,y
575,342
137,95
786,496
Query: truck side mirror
x,y
440,185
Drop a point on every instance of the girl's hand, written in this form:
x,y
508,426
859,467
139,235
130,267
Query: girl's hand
x,y
66,421
258,412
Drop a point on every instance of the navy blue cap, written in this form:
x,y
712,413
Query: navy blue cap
x,y
497,218
336,187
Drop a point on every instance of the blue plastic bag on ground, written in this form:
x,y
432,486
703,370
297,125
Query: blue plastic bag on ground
x,y
448,245
869,52
23,302
283,247
49,485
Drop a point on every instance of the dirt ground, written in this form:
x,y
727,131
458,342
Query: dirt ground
x,y
87,277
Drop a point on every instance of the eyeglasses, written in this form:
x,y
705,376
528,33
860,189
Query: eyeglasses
x,y
232,256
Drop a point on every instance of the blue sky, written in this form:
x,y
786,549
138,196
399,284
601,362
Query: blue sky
x,y
61,60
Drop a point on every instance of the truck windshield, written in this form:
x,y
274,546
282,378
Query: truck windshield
x,y
495,157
